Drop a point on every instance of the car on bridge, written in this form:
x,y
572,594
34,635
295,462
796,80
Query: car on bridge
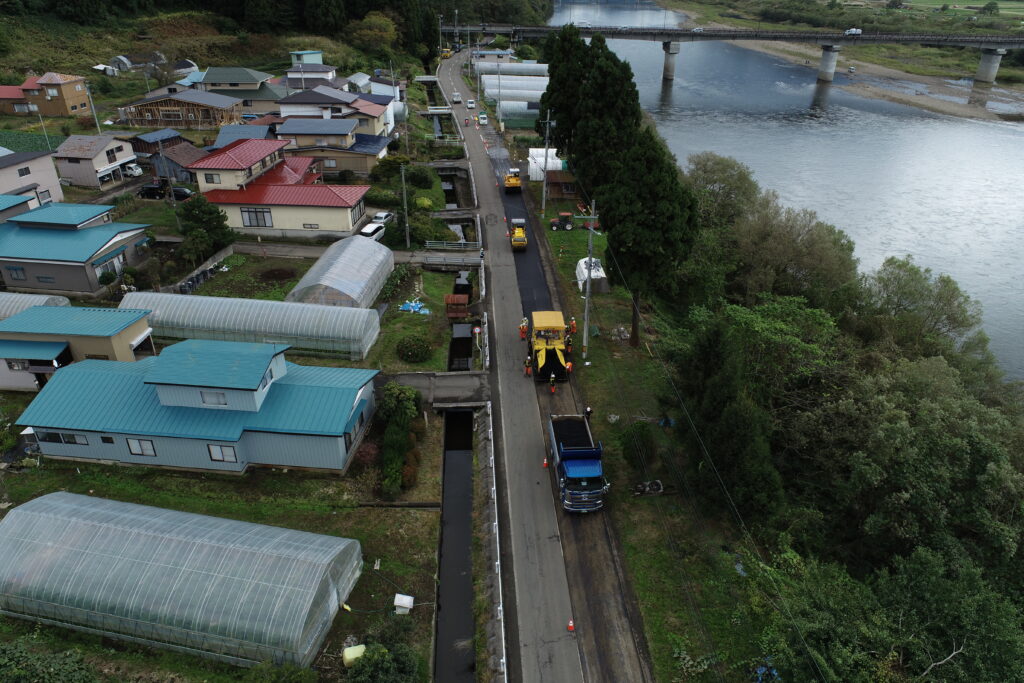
x,y
699,29
852,32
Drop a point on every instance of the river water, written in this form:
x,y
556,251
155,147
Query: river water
x,y
898,180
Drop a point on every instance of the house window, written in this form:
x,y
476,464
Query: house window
x,y
111,156
48,437
15,273
52,92
213,178
267,376
33,107
192,116
75,439
222,453
232,85
73,161
214,398
246,103
107,439
43,196
330,163
83,105
97,356
119,148
321,142
20,108
17,365
357,211
78,88
46,278
257,218
24,171
176,115
141,447
311,226
32,92
74,107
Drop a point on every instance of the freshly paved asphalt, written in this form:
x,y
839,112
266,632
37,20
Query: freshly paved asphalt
x,y
546,651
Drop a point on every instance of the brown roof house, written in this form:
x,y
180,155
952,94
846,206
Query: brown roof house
x,y
94,160
55,94
186,109
173,162
32,175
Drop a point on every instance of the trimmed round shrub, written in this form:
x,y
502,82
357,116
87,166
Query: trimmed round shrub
x,y
107,277
414,348
420,176
385,198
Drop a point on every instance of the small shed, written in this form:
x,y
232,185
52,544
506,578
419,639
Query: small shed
x,y
456,306
150,143
174,161
562,185
350,273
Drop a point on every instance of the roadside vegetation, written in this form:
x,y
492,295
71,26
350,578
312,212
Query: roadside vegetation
x,y
843,505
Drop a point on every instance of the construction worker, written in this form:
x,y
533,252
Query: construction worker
x,y
524,325
568,343
572,325
588,412
551,381
568,367
527,366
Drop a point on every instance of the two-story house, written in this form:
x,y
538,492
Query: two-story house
x,y
265,193
205,405
334,143
66,248
373,113
54,94
32,175
254,88
94,160
185,109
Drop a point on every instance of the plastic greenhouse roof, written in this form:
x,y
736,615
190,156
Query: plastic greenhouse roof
x,y
221,588
12,302
201,363
301,402
355,268
310,326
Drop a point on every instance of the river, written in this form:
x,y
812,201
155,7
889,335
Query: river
x,y
898,180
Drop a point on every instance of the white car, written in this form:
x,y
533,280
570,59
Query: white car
x,y
699,29
852,32
470,104
375,231
384,217
483,119
133,170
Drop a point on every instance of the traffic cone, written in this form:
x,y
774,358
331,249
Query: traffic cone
x,y
571,627
545,462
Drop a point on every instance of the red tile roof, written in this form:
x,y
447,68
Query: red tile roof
x,y
11,92
340,196
294,171
240,154
369,108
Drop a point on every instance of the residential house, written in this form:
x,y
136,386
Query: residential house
x,y
386,86
265,193
12,100
562,185
205,405
141,61
145,144
30,174
240,131
93,160
54,94
307,76
174,161
65,248
334,143
326,102
258,95
186,109
12,205
307,57
187,82
359,82
37,341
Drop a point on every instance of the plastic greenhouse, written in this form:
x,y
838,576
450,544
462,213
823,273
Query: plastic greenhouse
x,y
219,588
11,302
350,331
350,273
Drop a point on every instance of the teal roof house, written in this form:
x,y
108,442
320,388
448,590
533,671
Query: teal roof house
x,y
204,405
65,248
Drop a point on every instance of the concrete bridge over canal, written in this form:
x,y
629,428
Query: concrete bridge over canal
x,y
992,47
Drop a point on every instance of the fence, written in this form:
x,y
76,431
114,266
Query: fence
x,y
452,246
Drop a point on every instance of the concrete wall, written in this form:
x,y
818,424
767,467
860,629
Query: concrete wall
x,y
41,171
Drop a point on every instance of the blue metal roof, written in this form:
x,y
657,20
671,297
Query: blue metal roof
x,y
9,200
72,320
305,401
48,244
206,363
158,135
240,131
583,469
293,126
62,214
369,144
30,350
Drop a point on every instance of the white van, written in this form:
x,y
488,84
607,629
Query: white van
x,y
457,97
375,231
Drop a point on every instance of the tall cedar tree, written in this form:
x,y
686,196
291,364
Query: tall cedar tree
x,y
609,119
566,55
325,16
649,217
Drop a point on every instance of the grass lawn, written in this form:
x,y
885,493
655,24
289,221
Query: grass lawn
x,y
255,277
156,213
79,195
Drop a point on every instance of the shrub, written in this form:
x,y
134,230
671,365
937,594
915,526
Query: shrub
x,y
397,401
395,280
638,445
389,167
420,176
376,196
107,277
413,348
424,203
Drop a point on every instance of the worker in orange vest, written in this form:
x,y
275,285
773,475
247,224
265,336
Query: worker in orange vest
x,y
524,325
572,325
551,380
568,367
527,366
568,343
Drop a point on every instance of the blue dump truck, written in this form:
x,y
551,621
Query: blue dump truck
x,y
577,463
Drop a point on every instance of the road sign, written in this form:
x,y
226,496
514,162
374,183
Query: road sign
x,y
476,330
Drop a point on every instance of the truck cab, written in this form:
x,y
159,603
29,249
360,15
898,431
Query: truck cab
x,y
513,181
578,467
517,234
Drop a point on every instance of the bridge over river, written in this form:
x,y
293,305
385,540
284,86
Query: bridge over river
x,y
992,47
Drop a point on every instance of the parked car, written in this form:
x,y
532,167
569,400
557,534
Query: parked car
x,y
133,170
852,32
385,217
375,231
152,191
182,193
483,119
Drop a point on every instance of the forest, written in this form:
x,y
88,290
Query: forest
x,y
852,428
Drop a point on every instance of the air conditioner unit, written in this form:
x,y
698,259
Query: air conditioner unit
x,y
49,97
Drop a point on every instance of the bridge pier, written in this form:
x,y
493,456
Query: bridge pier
x,y
827,68
671,49
989,65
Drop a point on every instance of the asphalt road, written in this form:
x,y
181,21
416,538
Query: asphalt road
x,y
542,648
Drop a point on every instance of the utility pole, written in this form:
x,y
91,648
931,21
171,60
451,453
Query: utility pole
x,y
544,169
405,208
590,267
41,123
95,118
170,182
439,18
456,26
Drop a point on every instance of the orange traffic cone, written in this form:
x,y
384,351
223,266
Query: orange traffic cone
x,y
571,626
545,461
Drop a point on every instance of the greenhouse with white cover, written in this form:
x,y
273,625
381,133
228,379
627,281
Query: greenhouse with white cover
x,y
349,331
351,272
233,591
12,302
